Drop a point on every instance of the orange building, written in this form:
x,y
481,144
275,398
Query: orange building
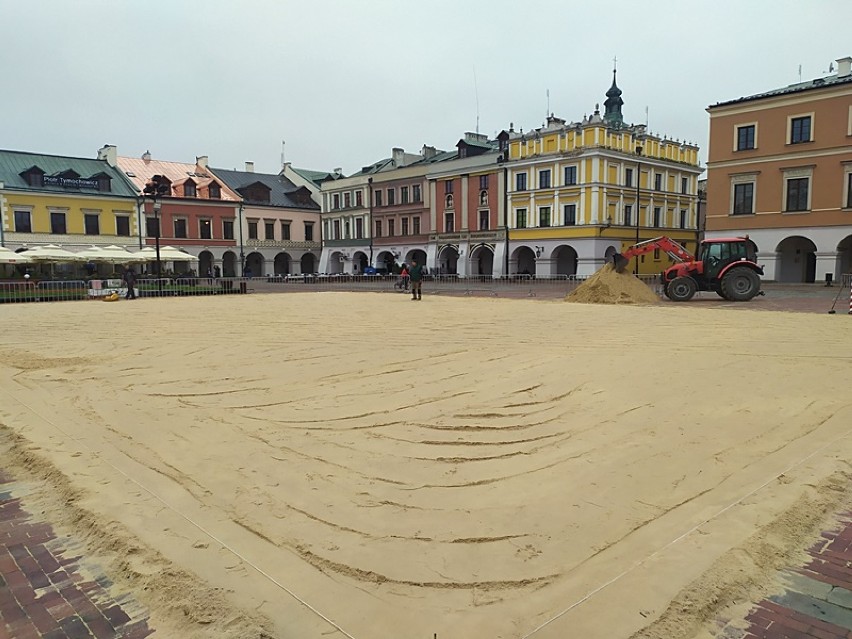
x,y
780,170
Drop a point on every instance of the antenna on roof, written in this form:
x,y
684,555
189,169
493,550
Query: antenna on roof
x,y
282,154
547,114
800,73
476,92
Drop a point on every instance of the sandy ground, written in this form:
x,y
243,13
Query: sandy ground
x,y
354,465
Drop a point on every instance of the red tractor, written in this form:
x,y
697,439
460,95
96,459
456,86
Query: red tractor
x,y
724,265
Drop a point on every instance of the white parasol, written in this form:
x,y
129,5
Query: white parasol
x,y
8,256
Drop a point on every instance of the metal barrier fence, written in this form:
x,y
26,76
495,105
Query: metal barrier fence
x,y
516,285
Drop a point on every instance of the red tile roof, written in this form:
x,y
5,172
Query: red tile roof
x,y
139,171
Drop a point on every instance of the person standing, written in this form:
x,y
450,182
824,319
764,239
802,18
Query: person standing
x,y
130,281
415,274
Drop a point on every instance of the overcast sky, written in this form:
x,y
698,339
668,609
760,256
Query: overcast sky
x,y
342,82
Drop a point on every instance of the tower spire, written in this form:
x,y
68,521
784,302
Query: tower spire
x,y
613,103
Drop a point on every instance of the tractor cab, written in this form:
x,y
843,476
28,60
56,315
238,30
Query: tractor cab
x,y
718,253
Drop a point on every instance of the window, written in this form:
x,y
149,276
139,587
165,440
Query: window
x,y
347,229
391,227
415,192
797,194
683,218
359,227
309,231
657,216
252,229
391,197
449,223
335,201
91,224
800,130
744,198
205,229
570,214
448,186
570,175
544,179
521,218
684,185
378,232
151,227
745,137
658,181
404,228
180,227
285,230
214,192
377,198
269,230
122,225
359,198
628,215
521,182
544,216
483,198
347,200
484,219
23,222
228,229
57,223
656,255
415,225
848,193
189,189
448,204
483,182
628,177
335,230
403,195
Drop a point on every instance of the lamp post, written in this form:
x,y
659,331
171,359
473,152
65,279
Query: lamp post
x,y
638,204
157,206
156,188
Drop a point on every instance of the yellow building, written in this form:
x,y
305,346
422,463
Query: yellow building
x,y
72,202
574,190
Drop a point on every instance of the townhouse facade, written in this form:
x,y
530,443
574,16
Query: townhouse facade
x,y
198,215
780,171
71,202
580,192
278,223
347,244
467,212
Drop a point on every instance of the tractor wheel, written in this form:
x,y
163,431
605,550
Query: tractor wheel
x,y
666,290
740,284
720,293
681,289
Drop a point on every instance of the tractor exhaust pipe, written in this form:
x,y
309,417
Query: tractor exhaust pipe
x,y
619,262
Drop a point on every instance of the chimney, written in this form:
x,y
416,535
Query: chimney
x,y
146,157
249,167
338,171
108,152
398,156
201,161
844,67
428,151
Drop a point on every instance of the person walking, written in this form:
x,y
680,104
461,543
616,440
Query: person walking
x,y
130,281
415,274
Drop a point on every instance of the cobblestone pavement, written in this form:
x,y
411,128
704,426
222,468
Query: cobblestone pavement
x,y
43,590
817,598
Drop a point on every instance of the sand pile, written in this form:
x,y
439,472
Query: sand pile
x,y
608,286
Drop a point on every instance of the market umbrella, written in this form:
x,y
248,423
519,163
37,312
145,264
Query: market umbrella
x,y
109,254
52,253
167,254
8,256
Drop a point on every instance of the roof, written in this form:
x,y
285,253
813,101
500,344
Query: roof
x,y
817,83
13,163
317,177
140,170
280,188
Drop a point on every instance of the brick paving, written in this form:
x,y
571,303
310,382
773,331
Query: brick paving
x,y
43,593
817,600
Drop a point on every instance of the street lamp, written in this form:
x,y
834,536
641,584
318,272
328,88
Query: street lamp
x,y
638,205
156,188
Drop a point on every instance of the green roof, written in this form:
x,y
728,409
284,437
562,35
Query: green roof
x,y
317,177
13,163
